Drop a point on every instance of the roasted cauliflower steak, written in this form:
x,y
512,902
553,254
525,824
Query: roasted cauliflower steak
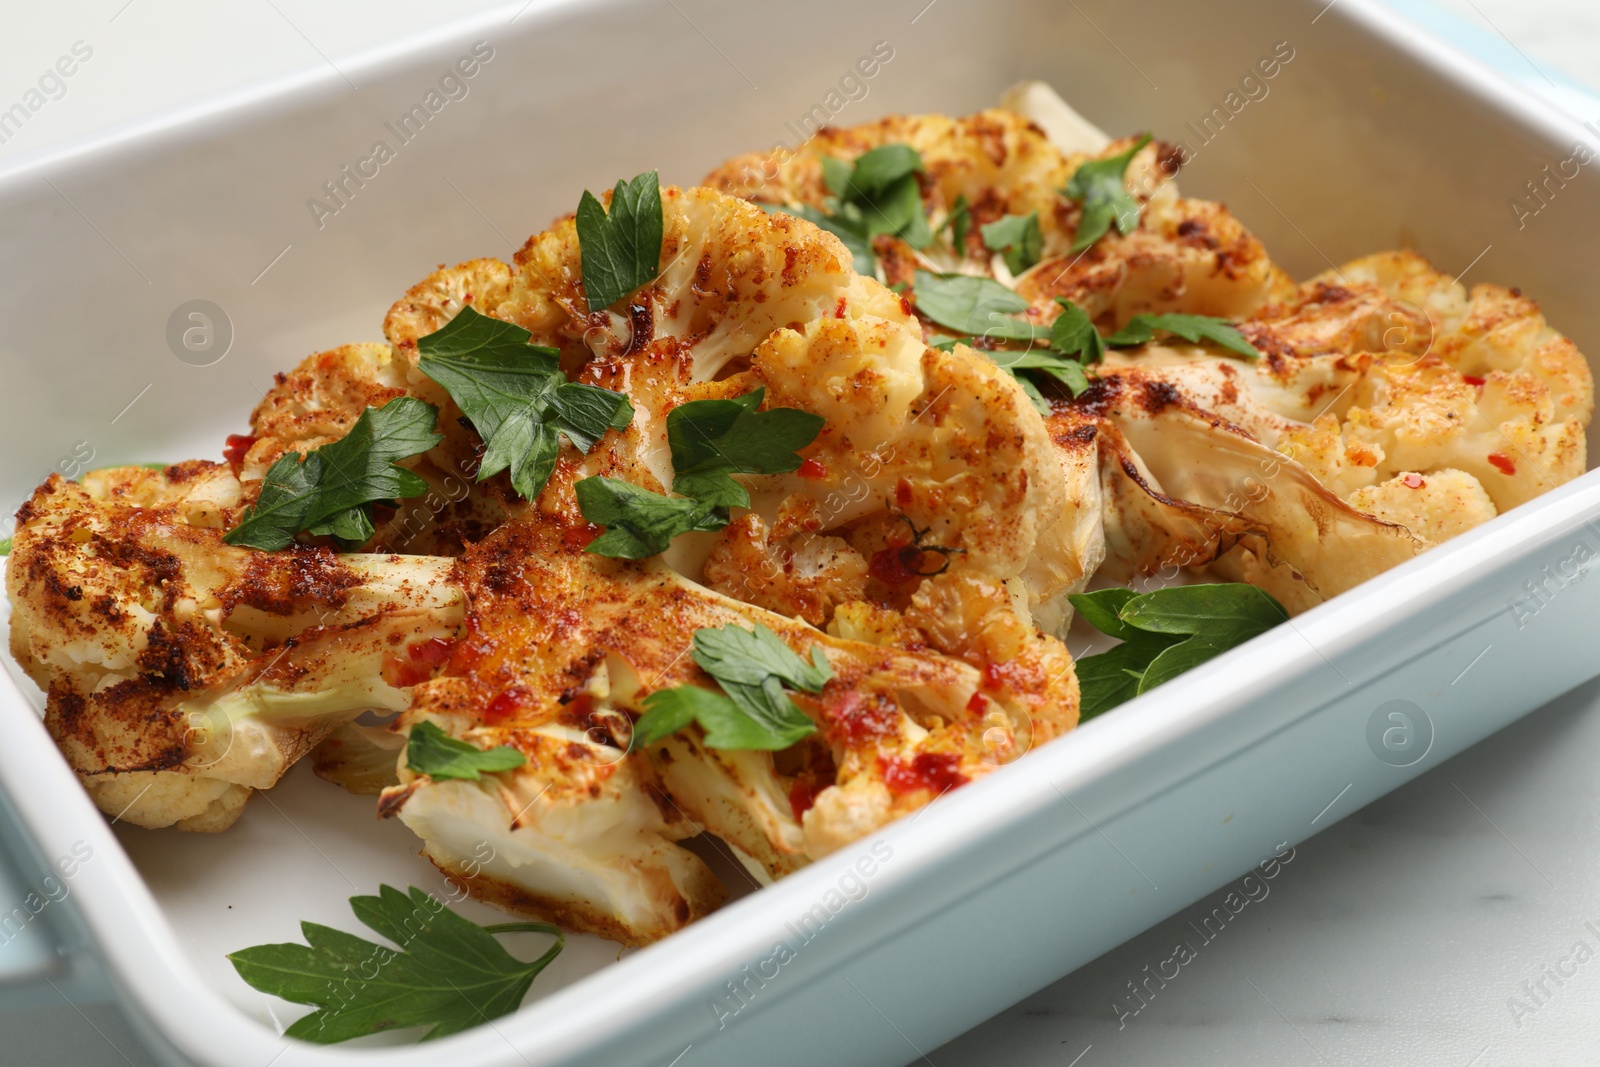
x,y
921,448
1391,409
183,673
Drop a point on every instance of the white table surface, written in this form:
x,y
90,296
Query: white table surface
x,y
1403,934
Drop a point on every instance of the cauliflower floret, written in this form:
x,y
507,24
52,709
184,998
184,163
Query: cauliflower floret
x,y
1186,255
1386,367
1497,394
184,673
317,403
1435,506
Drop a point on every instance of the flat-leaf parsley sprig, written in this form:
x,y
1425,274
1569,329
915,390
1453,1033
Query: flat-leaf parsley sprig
x,y
431,751
1163,634
448,974
620,250
330,491
517,397
753,667
710,441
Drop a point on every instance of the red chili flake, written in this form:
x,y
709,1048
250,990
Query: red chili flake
x,y
802,796
993,677
1414,481
471,649
813,469
434,652
905,304
977,702
1502,463
507,705
401,673
858,717
1473,380
903,493
838,312
889,567
234,450
936,772
418,664
580,536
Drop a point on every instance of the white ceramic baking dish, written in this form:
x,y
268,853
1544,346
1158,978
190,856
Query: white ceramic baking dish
x,y
1369,137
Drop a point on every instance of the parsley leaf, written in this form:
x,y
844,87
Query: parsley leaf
x,y
517,397
329,490
982,306
640,523
620,251
5,546
959,221
1099,186
749,657
836,175
1069,372
449,973
431,751
1165,633
753,667
1073,334
1018,237
878,194
979,307
1192,328
897,211
879,170
711,439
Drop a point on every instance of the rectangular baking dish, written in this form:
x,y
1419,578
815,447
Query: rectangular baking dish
x,y
1369,137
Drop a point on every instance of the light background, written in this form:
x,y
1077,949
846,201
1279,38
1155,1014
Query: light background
x,y
1399,935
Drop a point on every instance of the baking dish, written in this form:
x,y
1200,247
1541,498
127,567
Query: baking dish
x,y
1365,140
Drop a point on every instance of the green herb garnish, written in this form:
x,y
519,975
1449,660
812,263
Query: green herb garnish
x,y
1018,238
1069,372
1073,334
753,667
878,194
959,221
1192,328
517,397
873,174
639,522
976,306
711,440
983,307
330,490
448,974
431,751
1164,633
620,251
1099,186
